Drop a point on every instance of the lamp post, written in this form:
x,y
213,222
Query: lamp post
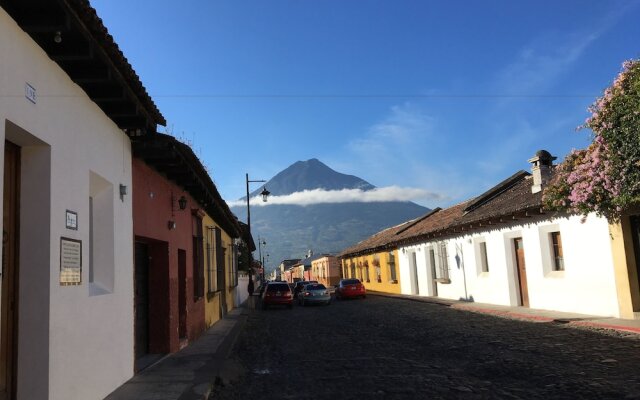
x,y
261,243
265,193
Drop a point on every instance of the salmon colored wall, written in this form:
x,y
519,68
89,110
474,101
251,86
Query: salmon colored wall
x,y
326,270
155,203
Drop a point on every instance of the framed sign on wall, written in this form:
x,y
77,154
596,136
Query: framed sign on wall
x,y
70,261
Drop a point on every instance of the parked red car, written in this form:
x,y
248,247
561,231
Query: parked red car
x,y
350,288
277,293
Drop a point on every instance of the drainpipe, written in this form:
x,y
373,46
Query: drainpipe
x,y
460,261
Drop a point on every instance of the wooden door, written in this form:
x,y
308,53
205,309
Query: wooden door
x,y
142,300
522,272
182,293
8,344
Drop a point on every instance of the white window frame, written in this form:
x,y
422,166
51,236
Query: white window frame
x,y
482,256
442,261
547,256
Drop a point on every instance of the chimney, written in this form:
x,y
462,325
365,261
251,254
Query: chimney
x,y
309,253
541,168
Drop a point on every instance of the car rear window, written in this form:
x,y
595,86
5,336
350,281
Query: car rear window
x,y
315,286
278,287
350,282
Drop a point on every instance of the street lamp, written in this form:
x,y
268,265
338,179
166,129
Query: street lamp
x,y
265,193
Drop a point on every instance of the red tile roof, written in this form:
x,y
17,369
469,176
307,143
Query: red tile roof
x,y
510,199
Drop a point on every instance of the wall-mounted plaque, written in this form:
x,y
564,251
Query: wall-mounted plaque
x,y
71,220
70,261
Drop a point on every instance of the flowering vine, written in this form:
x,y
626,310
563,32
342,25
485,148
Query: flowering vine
x,y
605,177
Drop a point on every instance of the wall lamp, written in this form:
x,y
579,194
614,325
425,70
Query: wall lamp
x,y
182,202
123,191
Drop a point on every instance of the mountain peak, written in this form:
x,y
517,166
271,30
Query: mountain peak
x,y
309,175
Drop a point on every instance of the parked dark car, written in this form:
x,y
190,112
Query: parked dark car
x,y
277,293
350,288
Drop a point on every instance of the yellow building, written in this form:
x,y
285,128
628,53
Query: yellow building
x,y
220,270
625,246
374,261
377,271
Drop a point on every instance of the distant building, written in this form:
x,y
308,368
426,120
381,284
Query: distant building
x,y
284,267
326,270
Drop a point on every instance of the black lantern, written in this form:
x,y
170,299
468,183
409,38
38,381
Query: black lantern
x,y
265,193
182,202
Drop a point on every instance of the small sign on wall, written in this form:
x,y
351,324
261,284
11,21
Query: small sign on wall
x,y
71,220
70,261
30,93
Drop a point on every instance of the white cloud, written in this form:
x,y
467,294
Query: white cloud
x,y
539,64
390,146
399,129
322,196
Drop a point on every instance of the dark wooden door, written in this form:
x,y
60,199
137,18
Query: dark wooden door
x,y
182,293
142,300
522,272
8,343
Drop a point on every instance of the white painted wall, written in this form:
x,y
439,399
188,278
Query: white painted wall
x,y
242,290
73,344
586,285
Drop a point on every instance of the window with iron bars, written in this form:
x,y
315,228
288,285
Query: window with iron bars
x,y
443,261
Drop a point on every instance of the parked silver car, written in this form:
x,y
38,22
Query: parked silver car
x,y
314,293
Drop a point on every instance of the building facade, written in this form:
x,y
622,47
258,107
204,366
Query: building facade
x,y
326,270
67,286
502,247
186,256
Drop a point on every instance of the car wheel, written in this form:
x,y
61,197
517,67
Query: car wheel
x,y
364,296
289,306
264,306
302,303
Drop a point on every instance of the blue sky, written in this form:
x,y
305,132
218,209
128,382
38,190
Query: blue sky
x,y
449,97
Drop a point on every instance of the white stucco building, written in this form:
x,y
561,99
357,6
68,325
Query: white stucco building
x,y
585,285
67,95
502,248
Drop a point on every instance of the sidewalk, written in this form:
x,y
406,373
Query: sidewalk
x,y
190,373
529,314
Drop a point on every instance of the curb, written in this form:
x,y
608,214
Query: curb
x,y
587,321
221,359
595,324
505,314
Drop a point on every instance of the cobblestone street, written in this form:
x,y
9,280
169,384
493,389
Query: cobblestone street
x,y
391,348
